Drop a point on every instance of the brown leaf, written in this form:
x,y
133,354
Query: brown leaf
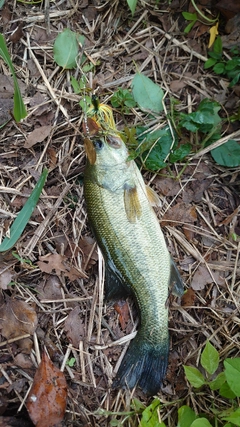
x,y
89,251
50,262
5,279
17,33
122,309
188,298
17,318
14,422
181,213
74,327
46,402
202,277
228,8
50,288
37,135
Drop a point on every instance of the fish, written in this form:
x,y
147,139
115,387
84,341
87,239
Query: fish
x,y
137,261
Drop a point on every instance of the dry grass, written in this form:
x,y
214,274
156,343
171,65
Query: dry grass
x,y
154,42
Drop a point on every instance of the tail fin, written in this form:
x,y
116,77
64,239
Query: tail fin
x,y
144,365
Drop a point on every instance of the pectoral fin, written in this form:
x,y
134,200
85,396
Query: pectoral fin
x,y
132,203
152,197
175,282
115,287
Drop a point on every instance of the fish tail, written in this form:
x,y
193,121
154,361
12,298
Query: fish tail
x,y
144,365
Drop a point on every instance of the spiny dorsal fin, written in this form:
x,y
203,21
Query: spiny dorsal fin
x,y
152,197
132,203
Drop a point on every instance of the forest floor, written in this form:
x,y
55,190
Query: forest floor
x,y
51,282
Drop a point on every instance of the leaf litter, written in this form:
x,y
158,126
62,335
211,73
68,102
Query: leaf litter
x,y
73,320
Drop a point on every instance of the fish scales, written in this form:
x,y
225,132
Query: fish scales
x,y
136,255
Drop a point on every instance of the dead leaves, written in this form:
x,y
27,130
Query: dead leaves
x,y
17,318
74,327
46,402
37,135
51,263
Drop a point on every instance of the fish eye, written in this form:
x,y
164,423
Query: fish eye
x,y
98,144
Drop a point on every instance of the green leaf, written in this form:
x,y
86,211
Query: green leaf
x,y
201,422
189,27
137,405
19,109
209,358
232,373
150,416
194,376
155,158
185,416
179,153
218,381
217,46
66,48
132,5
147,94
227,154
234,417
209,63
219,68
23,216
190,16
225,391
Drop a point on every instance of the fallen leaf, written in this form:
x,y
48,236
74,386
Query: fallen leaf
x,y
188,298
52,157
16,33
50,262
181,213
14,422
50,288
74,327
213,34
5,279
47,399
228,8
122,309
37,135
167,186
17,318
202,277
89,251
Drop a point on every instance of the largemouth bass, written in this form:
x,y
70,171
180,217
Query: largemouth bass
x,y
136,256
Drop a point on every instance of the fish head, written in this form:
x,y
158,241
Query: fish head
x,y
106,151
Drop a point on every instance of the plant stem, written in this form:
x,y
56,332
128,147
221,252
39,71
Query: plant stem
x,y
202,14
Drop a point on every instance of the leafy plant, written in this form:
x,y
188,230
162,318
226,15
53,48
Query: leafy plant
x,y
132,5
19,109
24,215
124,100
226,383
66,48
221,66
